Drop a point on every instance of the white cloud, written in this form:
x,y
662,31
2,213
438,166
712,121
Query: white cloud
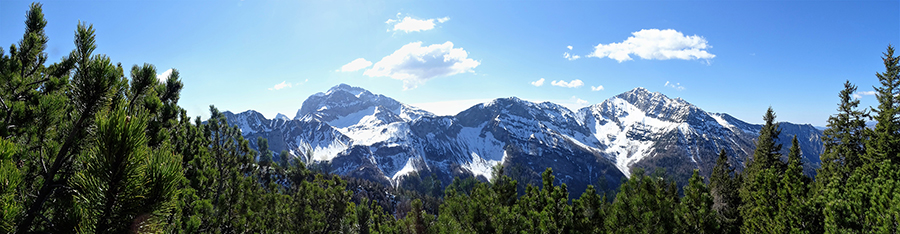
x,y
579,101
570,57
538,83
858,95
283,84
597,88
574,103
164,76
415,64
676,86
571,84
656,44
410,24
355,65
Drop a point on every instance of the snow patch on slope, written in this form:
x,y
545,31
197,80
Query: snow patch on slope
x,y
408,168
623,149
479,166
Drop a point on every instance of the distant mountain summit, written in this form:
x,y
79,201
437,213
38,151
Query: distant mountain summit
x,y
375,137
649,130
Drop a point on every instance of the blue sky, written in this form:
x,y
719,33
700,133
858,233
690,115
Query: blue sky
x,y
737,57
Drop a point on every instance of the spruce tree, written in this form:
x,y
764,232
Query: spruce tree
x,y
843,140
884,140
794,213
762,176
724,185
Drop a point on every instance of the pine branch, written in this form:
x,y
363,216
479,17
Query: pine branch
x,y
61,157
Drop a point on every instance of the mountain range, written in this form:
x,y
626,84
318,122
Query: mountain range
x,y
371,136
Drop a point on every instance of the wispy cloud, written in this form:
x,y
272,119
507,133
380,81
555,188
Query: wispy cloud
x,y
597,88
676,86
164,76
414,64
859,95
571,84
570,57
355,65
283,84
538,83
656,44
580,101
410,24
573,103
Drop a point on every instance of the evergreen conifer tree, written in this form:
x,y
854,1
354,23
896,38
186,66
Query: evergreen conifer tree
x,y
884,140
762,177
794,214
695,213
724,185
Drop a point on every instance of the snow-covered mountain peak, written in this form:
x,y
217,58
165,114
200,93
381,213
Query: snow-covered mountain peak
x,y
355,91
513,106
658,105
281,116
343,100
249,121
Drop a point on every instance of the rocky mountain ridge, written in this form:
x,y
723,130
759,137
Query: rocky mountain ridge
x,y
375,137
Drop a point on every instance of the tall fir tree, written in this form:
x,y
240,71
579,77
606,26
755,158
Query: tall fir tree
x,y
844,146
794,213
762,176
884,140
724,185
843,140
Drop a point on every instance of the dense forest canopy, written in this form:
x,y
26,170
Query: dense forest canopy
x,y
85,149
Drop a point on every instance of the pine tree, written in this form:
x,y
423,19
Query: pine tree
x,y
92,86
644,204
124,186
265,155
724,184
10,182
695,213
589,212
762,176
284,159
